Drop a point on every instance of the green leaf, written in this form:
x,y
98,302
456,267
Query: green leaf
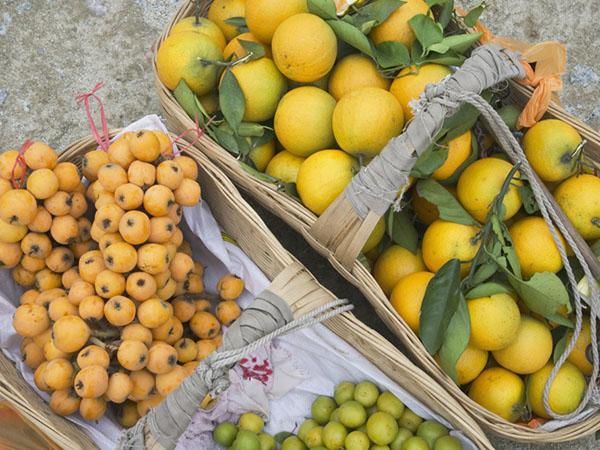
x,y
430,160
352,35
282,436
251,129
596,248
325,9
231,100
366,27
487,289
461,121
473,16
431,3
392,54
456,339
267,136
377,11
439,305
402,231
290,189
529,202
187,99
450,209
484,272
460,42
560,346
227,140
261,176
236,21
426,30
257,50
446,14
242,144
450,58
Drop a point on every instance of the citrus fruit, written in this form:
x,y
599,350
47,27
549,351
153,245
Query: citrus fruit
x,y
262,85
565,392
577,355
352,414
210,101
221,10
382,428
535,247
354,72
263,17
235,47
495,321
499,391
529,351
549,146
202,26
321,83
224,434
395,263
481,182
396,27
431,431
252,422
375,236
470,364
304,47
579,198
389,403
321,409
365,120
459,150
444,241
322,178
426,211
285,166
407,296
303,120
411,83
180,56
262,154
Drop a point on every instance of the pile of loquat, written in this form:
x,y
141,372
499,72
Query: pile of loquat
x,y
116,309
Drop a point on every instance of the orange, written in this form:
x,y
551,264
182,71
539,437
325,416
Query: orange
x,y
375,236
221,10
459,150
180,56
263,17
205,26
354,72
444,241
470,364
500,391
577,356
481,182
395,263
235,47
579,198
396,27
495,321
261,155
407,297
285,166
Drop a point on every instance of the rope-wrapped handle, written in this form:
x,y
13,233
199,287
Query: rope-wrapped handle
x,y
266,318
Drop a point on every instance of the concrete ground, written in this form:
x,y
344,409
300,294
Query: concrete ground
x,y
51,48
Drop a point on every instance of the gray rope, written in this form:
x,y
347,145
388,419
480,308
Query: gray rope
x,y
509,143
213,370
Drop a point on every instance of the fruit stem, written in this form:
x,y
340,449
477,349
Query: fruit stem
x,y
226,63
578,150
596,221
197,13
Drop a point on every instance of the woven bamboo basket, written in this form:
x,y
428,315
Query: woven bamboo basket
x,y
317,232
289,279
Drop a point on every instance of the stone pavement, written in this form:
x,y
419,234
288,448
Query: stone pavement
x,y
52,48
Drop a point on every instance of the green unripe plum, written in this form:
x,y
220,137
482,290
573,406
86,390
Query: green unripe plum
x,y
292,443
379,447
403,435
252,422
430,430
415,443
334,435
267,442
320,447
314,438
447,443
306,426
224,434
352,414
343,392
409,420
322,408
389,403
366,394
335,415
357,440
246,440
382,428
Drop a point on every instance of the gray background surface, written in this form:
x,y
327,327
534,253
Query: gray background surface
x,y
52,48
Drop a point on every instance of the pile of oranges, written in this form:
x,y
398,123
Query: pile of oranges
x,y
116,309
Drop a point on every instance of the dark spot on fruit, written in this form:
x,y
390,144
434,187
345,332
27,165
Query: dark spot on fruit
x,y
104,289
130,222
67,257
71,240
106,223
34,249
110,166
79,385
117,305
186,285
69,200
139,134
121,198
89,261
110,260
171,331
174,168
85,230
86,353
178,211
172,360
141,282
14,219
142,358
170,203
183,344
163,304
212,332
167,259
170,227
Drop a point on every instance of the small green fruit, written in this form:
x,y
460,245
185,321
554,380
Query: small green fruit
x,y
409,420
306,426
357,440
382,428
403,435
267,442
252,422
447,443
246,440
430,430
352,414
366,394
334,435
415,443
292,443
314,438
224,434
389,403
322,408
343,392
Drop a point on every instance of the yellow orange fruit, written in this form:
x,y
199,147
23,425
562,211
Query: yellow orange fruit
x,y
577,356
262,154
495,321
407,297
221,10
354,72
395,263
426,211
204,26
501,392
579,198
375,236
459,150
263,17
471,363
396,27
285,166
234,47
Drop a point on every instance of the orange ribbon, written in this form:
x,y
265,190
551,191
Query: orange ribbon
x,y
550,60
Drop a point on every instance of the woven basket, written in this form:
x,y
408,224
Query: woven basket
x,y
289,279
307,224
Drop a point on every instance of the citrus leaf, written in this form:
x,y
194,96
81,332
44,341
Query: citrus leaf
x,y
460,42
484,272
187,99
231,100
257,50
439,305
449,58
440,47
290,189
450,209
236,21
487,289
459,122
402,231
242,144
561,344
430,160
596,248
363,260
366,27
378,11
261,176
473,16
325,9
227,141
246,129
529,202
431,3
267,136
352,35
446,14
426,30
392,54
456,339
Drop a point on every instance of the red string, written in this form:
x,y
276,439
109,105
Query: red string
x,y
199,133
85,97
152,50
20,161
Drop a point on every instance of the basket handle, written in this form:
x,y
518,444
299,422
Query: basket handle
x,y
346,225
293,301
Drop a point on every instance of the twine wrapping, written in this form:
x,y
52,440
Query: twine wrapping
x,y
266,318
375,187
20,161
85,98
